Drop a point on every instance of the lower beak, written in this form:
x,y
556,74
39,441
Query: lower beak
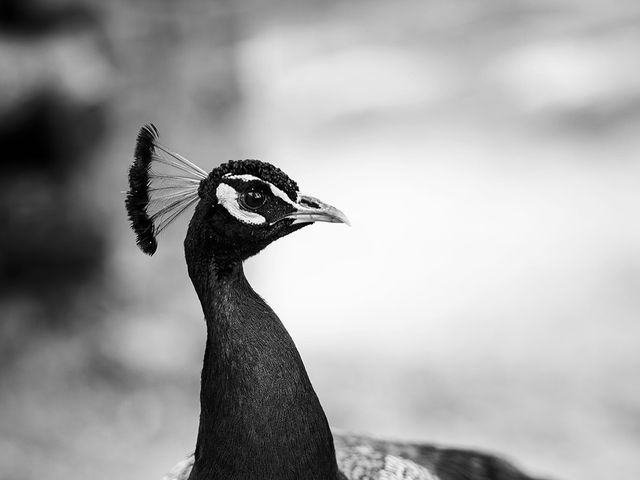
x,y
310,209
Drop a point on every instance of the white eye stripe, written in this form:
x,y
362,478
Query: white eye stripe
x,y
275,190
228,198
245,177
280,194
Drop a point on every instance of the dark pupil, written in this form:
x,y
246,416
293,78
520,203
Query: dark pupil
x,y
254,199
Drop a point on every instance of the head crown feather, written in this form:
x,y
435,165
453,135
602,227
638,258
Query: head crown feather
x,y
263,170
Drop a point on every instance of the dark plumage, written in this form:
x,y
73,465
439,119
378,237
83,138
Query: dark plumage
x,y
260,416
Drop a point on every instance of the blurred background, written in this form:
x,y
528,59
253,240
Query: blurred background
x,y
487,153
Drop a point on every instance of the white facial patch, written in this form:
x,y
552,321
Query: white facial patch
x,y
228,198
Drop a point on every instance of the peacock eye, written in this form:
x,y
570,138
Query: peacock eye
x,y
253,199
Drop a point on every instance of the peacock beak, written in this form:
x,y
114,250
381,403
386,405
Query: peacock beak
x,y
310,209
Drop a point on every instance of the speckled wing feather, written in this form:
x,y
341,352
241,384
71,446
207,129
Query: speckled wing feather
x,y
182,470
365,458
410,461
362,462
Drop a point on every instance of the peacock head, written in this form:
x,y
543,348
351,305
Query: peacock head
x,y
242,205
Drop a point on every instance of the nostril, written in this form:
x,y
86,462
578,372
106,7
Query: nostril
x,y
309,203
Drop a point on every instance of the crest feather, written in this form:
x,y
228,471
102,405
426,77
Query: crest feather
x,y
162,185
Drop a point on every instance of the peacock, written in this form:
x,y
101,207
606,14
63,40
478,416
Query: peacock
x,y
260,417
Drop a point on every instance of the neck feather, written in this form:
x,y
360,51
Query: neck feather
x,y
260,417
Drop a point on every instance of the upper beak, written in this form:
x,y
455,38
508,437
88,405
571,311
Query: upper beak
x,y
310,209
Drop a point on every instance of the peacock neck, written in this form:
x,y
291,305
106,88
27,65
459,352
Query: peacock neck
x,y
260,417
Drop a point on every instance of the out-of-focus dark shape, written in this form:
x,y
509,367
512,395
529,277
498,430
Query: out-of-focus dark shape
x,y
54,70
41,16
